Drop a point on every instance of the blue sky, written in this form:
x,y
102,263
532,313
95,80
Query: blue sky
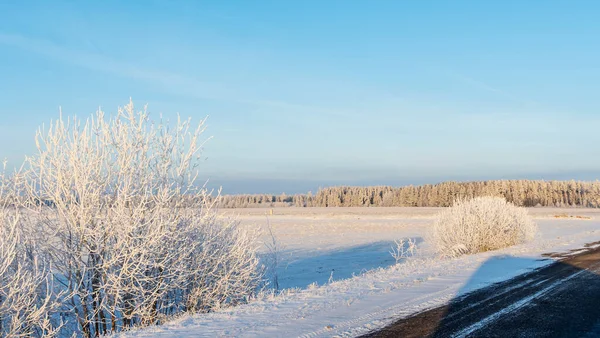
x,y
302,94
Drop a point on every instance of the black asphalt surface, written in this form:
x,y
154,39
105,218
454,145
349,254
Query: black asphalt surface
x,y
559,300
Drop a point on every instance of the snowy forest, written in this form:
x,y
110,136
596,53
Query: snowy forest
x,y
528,193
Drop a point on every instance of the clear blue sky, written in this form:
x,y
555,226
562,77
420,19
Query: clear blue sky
x,y
302,94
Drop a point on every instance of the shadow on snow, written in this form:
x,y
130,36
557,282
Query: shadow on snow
x,y
300,272
558,300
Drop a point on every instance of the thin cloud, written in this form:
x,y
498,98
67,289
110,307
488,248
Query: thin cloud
x,y
171,82
304,108
481,85
98,62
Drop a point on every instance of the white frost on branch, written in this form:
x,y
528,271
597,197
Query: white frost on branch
x,y
115,207
481,224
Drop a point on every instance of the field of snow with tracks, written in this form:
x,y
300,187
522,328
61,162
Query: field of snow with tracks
x,y
337,276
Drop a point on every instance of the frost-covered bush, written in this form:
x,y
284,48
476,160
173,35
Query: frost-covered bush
x,y
27,298
481,224
403,249
130,232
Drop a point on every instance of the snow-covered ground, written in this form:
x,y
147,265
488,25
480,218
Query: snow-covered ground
x,y
339,279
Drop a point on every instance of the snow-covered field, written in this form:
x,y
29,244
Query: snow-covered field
x,y
339,279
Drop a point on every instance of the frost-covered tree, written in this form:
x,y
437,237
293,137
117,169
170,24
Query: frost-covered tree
x,y
28,301
131,233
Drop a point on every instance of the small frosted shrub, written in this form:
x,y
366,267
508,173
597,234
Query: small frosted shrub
x,y
403,249
481,224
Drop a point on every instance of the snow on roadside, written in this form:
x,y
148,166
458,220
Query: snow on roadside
x,y
357,305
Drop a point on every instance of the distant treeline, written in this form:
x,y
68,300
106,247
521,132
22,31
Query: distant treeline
x,y
520,192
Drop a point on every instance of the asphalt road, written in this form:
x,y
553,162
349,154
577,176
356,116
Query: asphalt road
x,y
560,300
